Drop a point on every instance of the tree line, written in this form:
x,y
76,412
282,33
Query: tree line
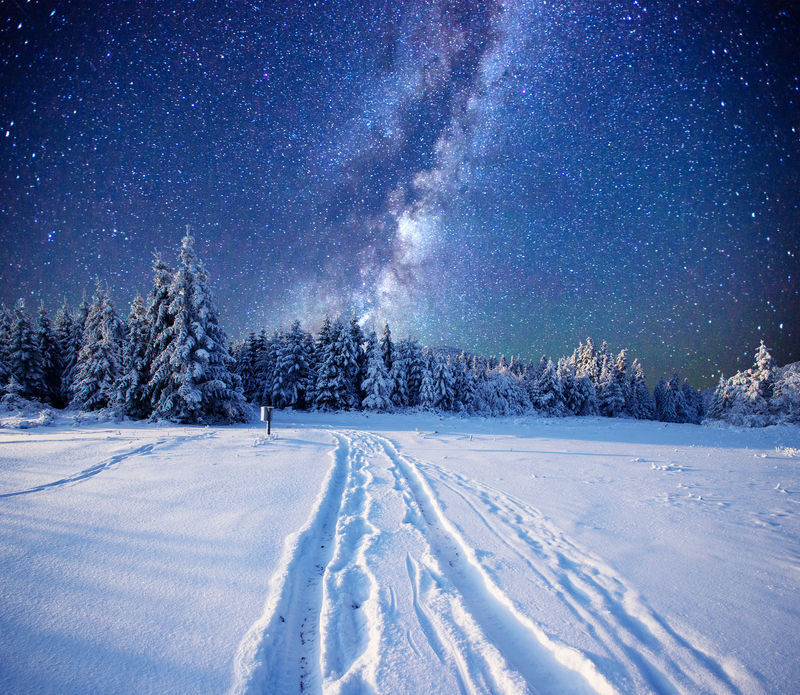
x,y
170,360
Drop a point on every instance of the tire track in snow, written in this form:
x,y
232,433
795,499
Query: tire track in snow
x,y
462,610
654,655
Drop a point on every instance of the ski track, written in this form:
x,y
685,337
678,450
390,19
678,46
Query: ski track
x,y
651,654
331,626
91,471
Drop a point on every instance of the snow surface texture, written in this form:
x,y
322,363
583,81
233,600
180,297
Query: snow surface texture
x,y
351,553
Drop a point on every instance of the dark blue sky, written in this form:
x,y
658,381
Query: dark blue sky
x,y
501,178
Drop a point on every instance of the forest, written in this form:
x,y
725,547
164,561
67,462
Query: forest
x,y
171,360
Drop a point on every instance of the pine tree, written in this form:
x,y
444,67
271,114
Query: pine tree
x,y
427,389
244,354
199,385
159,322
377,384
63,328
443,383
99,362
398,376
73,349
267,365
50,352
643,406
132,397
293,370
666,410
586,396
546,394
682,412
716,408
25,359
327,389
566,375
6,322
611,400
387,348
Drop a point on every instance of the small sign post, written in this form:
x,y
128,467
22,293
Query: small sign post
x,y
266,416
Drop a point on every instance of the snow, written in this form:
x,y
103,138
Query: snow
x,y
409,553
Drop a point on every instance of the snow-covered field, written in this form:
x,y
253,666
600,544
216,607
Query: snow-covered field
x,y
399,554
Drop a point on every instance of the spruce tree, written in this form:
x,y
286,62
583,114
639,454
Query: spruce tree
x,y
327,388
159,326
643,406
25,360
6,321
99,362
427,389
132,397
376,384
387,348
398,376
72,350
50,352
293,369
611,400
199,385
63,328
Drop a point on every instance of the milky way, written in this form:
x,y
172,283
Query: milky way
x,y
504,178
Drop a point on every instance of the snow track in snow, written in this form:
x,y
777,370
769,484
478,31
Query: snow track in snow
x,y
108,463
650,655
379,589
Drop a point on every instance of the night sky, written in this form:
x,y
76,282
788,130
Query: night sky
x,y
504,178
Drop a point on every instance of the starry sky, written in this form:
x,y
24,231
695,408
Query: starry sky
x,y
500,177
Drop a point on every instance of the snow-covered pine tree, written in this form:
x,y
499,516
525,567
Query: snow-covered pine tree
x,y
443,383
244,364
612,400
763,375
694,403
25,359
132,398
5,347
415,365
72,349
546,395
566,376
716,408
359,371
387,348
50,351
99,362
63,327
293,370
328,383
398,376
377,384
588,361
666,407
200,386
427,389
623,376
643,407
266,365
159,321
682,413
586,396
785,402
